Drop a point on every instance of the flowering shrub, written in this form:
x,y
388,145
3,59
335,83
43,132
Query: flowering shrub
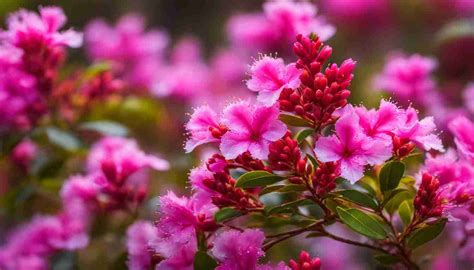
x,y
293,174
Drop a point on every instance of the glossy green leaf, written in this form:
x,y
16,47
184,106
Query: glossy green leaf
x,y
394,199
202,261
257,179
303,134
358,197
426,234
63,139
391,174
294,120
386,259
106,128
288,206
226,213
406,212
270,189
362,223
313,161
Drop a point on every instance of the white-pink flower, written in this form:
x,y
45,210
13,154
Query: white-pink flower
x,y
203,121
421,132
251,128
270,76
352,148
463,130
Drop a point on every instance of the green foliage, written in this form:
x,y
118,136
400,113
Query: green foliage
x,y
202,261
105,128
358,197
293,120
257,179
426,233
289,206
63,139
303,134
362,223
226,213
391,174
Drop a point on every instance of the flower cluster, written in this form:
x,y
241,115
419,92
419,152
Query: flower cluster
x,y
115,180
275,28
31,50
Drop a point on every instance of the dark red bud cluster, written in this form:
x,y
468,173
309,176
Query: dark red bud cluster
x,y
284,154
320,94
250,163
218,132
217,163
402,147
118,193
324,178
427,202
101,86
41,60
305,262
227,194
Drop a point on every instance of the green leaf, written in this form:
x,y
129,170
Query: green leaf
x,y
63,139
394,199
406,212
362,223
96,69
313,160
270,189
386,259
106,128
391,174
303,134
226,213
294,120
257,179
202,261
358,197
282,189
426,234
288,206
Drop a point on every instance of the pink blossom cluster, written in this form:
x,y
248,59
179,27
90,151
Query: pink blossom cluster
x,y
275,28
31,50
409,79
115,180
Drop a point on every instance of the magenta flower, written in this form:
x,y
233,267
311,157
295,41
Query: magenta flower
x,y
24,153
418,131
238,250
468,96
270,76
25,27
135,53
273,29
251,128
125,154
203,127
180,218
447,167
186,77
379,124
352,148
408,78
139,235
462,129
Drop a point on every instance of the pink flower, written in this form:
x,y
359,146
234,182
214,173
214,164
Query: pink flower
x,y
408,78
468,95
418,131
462,129
360,14
82,189
352,148
270,76
238,250
203,127
139,235
277,26
448,168
25,27
24,153
125,154
251,128
379,124
135,53
180,218
186,77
